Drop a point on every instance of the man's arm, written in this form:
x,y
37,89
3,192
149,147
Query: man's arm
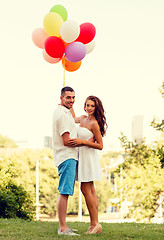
x,y
66,138
77,119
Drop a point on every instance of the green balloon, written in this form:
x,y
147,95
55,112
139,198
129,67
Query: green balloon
x,y
60,10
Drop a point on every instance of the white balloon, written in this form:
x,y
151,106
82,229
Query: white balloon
x,y
69,31
90,46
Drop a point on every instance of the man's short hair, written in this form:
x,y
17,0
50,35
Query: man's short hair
x,y
65,89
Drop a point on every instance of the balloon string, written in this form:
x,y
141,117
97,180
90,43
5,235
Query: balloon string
x,y
64,74
64,78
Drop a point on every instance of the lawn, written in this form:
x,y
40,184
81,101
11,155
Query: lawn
x,y
24,230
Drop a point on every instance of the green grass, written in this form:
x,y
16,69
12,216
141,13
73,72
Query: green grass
x,y
23,230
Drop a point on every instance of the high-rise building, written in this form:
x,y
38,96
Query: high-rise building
x,y
137,128
48,141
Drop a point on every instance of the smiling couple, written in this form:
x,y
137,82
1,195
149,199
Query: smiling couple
x,y
75,154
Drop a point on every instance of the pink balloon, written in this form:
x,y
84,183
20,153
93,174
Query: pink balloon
x,y
39,36
87,33
54,47
50,59
75,52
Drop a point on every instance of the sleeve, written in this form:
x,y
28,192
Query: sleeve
x,y
63,124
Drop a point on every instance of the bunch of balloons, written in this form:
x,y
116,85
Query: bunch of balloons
x,y
64,40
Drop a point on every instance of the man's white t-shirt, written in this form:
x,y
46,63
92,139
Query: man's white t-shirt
x,y
63,122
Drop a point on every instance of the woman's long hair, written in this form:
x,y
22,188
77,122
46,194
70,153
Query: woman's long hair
x,y
99,113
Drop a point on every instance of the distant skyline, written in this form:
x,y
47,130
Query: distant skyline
x,y
125,70
137,128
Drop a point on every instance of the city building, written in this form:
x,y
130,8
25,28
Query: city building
x,y
137,128
48,141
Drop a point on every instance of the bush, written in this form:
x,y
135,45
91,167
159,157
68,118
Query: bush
x,y
15,202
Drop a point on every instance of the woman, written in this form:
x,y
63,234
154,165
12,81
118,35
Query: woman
x,y
92,126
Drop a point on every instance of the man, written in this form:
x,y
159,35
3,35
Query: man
x,y
65,156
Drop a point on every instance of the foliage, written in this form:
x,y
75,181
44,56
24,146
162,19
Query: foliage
x,y
105,157
103,192
21,164
15,202
160,149
106,162
6,142
162,90
159,126
141,160
142,178
7,170
140,154
19,229
48,176
19,167
143,173
48,185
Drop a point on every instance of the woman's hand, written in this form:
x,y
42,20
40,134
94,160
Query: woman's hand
x,y
92,139
79,142
75,142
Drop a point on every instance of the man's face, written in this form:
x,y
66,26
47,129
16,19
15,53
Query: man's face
x,y
68,99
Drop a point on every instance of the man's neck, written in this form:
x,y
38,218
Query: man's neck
x,y
64,106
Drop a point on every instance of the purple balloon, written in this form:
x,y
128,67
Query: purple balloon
x,y
75,52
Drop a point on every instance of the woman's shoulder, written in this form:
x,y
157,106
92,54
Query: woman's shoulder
x,y
94,124
79,119
83,117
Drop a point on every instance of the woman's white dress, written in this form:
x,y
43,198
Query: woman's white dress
x,y
89,168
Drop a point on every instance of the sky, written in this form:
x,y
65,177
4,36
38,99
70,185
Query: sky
x,y
125,70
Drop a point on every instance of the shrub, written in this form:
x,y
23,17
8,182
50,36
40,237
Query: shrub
x,y
15,202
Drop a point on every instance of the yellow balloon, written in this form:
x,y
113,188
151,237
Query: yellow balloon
x,y
52,24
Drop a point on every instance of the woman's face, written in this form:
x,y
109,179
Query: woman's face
x,y
90,107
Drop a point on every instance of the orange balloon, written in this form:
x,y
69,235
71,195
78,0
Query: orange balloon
x,y
70,66
65,44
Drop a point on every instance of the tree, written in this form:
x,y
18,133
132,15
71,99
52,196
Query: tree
x,y
21,166
159,126
6,142
142,178
15,201
48,176
162,90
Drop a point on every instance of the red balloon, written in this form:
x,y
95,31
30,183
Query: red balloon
x,y
87,33
54,47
